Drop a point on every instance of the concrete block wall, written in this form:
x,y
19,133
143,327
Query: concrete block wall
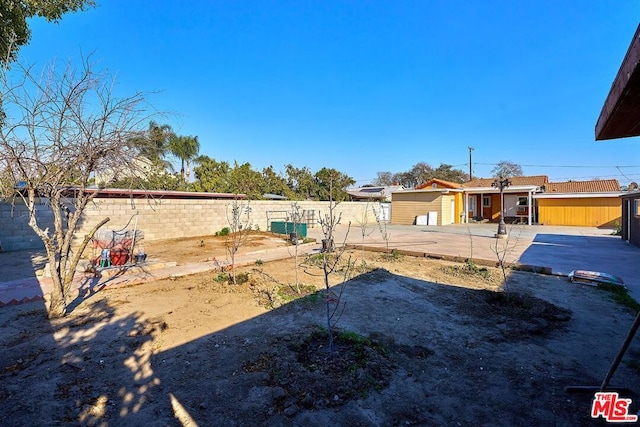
x,y
15,232
166,218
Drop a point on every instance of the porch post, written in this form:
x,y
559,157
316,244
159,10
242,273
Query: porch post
x,y
529,200
466,208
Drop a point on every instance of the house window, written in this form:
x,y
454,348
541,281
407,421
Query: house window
x,y
486,201
636,207
523,204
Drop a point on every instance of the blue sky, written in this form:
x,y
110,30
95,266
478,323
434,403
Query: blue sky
x,y
368,86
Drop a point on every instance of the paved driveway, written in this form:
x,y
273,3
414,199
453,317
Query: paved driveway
x,y
562,249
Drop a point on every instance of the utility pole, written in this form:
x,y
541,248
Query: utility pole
x,y
470,168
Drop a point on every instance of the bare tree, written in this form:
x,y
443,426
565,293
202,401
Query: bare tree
x,y
239,220
59,128
502,248
331,258
382,225
506,168
295,216
363,223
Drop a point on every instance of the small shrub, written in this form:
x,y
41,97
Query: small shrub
x,y
394,255
259,262
617,229
242,278
221,278
224,232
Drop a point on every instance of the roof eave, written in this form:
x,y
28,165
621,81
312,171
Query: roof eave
x,y
620,114
578,195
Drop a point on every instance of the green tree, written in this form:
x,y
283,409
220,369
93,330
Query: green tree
x,y
332,182
407,179
448,173
421,172
244,180
185,148
300,181
211,175
275,183
156,178
14,29
154,144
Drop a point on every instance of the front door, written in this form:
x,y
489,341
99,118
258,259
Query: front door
x,y
472,206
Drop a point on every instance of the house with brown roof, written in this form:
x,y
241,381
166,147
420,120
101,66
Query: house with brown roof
x,y
527,200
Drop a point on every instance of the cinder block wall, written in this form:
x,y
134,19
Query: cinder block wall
x,y
15,232
166,218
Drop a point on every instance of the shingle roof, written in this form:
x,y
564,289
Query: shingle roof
x,y
537,180
596,186
440,183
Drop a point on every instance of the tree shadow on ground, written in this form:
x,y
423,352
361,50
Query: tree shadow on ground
x,y
454,354
92,368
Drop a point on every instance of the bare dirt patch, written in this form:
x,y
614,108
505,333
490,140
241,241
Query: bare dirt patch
x,y
419,342
206,248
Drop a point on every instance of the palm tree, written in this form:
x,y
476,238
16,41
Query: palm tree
x,y
185,148
154,144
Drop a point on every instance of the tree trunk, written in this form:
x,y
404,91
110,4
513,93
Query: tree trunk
x,y
57,302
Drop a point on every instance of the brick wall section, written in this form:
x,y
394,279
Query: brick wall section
x,y
166,218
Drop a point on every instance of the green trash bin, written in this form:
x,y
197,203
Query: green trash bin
x,y
285,227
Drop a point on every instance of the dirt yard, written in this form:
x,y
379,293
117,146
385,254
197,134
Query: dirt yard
x,y
417,342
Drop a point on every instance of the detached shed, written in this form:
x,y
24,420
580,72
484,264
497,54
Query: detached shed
x,y
408,205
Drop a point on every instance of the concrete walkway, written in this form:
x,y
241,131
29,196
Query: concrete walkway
x,y
558,249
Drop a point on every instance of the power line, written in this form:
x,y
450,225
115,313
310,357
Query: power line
x,y
564,166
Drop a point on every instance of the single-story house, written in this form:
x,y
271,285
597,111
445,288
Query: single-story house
x,y
620,118
528,200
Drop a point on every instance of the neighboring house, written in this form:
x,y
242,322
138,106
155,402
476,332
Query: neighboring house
x,y
482,200
584,203
436,202
379,193
619,119
139,167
